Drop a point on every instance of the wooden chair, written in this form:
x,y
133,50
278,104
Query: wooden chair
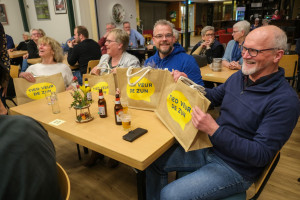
x,y
259,184
290,65
64,182
91,65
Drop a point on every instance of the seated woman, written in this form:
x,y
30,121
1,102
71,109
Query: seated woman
x,y
208,46
116,44
232,58
52,56
255,25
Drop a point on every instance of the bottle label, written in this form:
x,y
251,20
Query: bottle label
x,y
89,96
117,102
118,115
101,110
101,97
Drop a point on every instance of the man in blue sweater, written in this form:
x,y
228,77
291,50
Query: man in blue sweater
x,y
172,55
259,111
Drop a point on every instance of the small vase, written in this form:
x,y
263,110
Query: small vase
x,y
83,114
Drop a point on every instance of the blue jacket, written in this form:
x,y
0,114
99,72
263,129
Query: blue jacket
x,y
255,122
178,60
228,52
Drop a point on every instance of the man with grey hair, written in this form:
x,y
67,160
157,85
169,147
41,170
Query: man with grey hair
x,y
109,26
171,55
232,58
259,112
135,38
208,46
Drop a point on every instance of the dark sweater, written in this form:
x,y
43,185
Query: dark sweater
x,y
216,51
27,157
23,45
255,121
32,49
83,52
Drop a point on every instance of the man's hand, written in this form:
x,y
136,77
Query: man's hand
x,y
204,121
176,74
28,76
25,56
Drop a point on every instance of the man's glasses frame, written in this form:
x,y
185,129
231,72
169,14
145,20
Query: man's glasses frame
x,y
254,52
167,36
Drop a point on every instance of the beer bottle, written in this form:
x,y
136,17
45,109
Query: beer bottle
x,y
88,90
102,105
118,110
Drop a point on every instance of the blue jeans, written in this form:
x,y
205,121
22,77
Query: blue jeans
x,y
211,177
24,65
78,75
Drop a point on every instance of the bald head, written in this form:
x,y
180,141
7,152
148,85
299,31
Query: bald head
x,y
271,35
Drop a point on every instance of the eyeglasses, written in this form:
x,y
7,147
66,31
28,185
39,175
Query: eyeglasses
x,y
110,41
212,34
253,52
160,37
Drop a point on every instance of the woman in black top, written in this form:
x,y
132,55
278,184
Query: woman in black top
x,y
208,46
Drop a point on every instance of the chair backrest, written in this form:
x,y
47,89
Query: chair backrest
x,y
264,177
201,60
289,63
221,31
229,30
64,182
14,71
225,38
91,65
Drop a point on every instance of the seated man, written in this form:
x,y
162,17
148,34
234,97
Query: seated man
x,y
232,58
27,156
208,46
109,26
172,55
134,36
82,50
259,112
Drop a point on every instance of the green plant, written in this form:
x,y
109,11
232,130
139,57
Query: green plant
x,y
80,100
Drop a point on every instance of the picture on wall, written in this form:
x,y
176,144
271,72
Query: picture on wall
x,y
60,6
42,9
3,16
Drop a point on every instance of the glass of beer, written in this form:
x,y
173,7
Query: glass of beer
x,y
126,121
124,104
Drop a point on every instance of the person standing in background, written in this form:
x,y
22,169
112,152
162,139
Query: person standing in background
x,y
134,36
109,26
4,73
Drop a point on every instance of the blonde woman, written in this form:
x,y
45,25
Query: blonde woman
x,y
52,56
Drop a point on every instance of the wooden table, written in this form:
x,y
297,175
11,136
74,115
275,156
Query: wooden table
x,y
102,134
218,77
16,54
